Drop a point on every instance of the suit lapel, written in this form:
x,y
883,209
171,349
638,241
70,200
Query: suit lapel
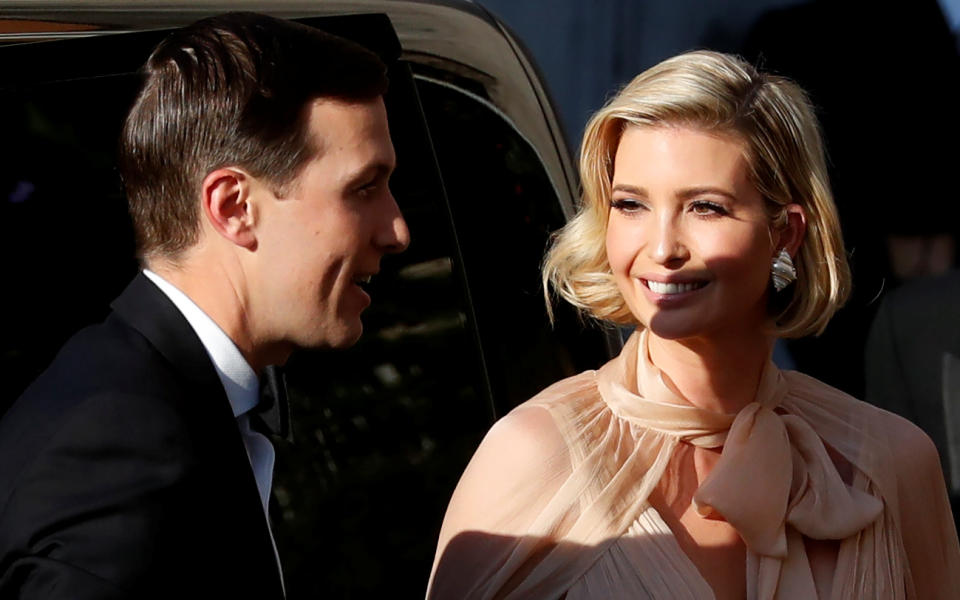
x,y
145,308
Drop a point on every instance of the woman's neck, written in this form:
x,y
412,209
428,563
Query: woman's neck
x,y
718,373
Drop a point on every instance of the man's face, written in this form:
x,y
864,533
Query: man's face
x,y
319,244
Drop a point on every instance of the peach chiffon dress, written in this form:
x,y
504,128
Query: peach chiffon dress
x,y
555,502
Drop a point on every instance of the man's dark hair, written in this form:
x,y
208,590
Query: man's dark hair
x,y
232,90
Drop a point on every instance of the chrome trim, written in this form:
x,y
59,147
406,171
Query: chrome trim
x,y
58,35
450,33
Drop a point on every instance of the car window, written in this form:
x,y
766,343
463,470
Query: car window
x,y
505,208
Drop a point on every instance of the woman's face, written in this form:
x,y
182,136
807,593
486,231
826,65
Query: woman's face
x,y
688,239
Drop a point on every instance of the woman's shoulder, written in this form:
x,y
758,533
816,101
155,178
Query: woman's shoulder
x,y
532,437
810,388
522,460
912,450
909,446
566,388
902,464
538,423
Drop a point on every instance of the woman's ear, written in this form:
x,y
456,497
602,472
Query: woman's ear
x,y
226,205
791,236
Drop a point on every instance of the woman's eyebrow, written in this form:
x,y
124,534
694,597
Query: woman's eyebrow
x,y
685,193
629,189
706,189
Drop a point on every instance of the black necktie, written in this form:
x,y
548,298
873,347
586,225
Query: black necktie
x,y
273,411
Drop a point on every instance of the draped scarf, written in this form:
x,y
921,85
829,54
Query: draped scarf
x,y
563,529
774,482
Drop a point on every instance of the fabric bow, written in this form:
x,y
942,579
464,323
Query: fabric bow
x,y
774,470
783,456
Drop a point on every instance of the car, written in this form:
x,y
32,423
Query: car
x,y
457,334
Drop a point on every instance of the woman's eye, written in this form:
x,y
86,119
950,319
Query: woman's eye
x,y
707,209
626,205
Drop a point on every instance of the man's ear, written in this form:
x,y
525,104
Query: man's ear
x,y
225,201
791,236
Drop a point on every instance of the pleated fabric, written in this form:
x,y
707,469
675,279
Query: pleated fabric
x,y
555,503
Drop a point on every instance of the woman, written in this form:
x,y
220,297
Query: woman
x,y
690,466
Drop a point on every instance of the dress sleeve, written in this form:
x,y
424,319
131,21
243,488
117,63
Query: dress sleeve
x,y
926,522
492,518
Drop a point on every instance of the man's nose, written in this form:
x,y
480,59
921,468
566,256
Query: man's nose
x,y
394,236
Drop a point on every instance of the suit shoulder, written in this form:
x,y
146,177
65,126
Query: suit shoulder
x,y
104,387
928,294
103,359
111,351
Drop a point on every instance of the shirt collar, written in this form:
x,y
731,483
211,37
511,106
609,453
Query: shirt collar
x,y
238,378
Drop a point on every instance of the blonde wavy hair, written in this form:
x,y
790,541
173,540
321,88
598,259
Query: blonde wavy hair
x,y
722,94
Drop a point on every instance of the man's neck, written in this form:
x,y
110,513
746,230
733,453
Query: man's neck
x,y
220,293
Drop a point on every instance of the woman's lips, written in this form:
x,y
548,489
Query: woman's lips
x,y
671,292
660,287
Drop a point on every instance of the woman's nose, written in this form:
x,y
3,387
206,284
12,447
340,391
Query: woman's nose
x,y
668,246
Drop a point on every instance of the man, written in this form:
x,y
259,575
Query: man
x,y
913,364
256,159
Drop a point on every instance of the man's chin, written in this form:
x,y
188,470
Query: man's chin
x,y
343,334
353,339
347,336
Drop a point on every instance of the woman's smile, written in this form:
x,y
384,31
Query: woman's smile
x,y
671,294
672,288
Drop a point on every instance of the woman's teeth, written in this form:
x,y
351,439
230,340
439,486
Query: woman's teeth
x,y
672,288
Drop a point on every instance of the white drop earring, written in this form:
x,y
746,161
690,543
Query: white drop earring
x,y
782,270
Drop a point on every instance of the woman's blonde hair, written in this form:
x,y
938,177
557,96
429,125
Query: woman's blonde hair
x,y
722,94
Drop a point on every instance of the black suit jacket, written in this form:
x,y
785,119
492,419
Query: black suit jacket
x,y
911,358
123,473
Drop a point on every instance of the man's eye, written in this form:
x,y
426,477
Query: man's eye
x,y
366,189
626,205
703,208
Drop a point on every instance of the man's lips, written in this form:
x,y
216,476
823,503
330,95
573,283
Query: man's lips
x,y
363,278
362,283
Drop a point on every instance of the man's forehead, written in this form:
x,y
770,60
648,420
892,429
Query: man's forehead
x,y
330,112
336,123
351,138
